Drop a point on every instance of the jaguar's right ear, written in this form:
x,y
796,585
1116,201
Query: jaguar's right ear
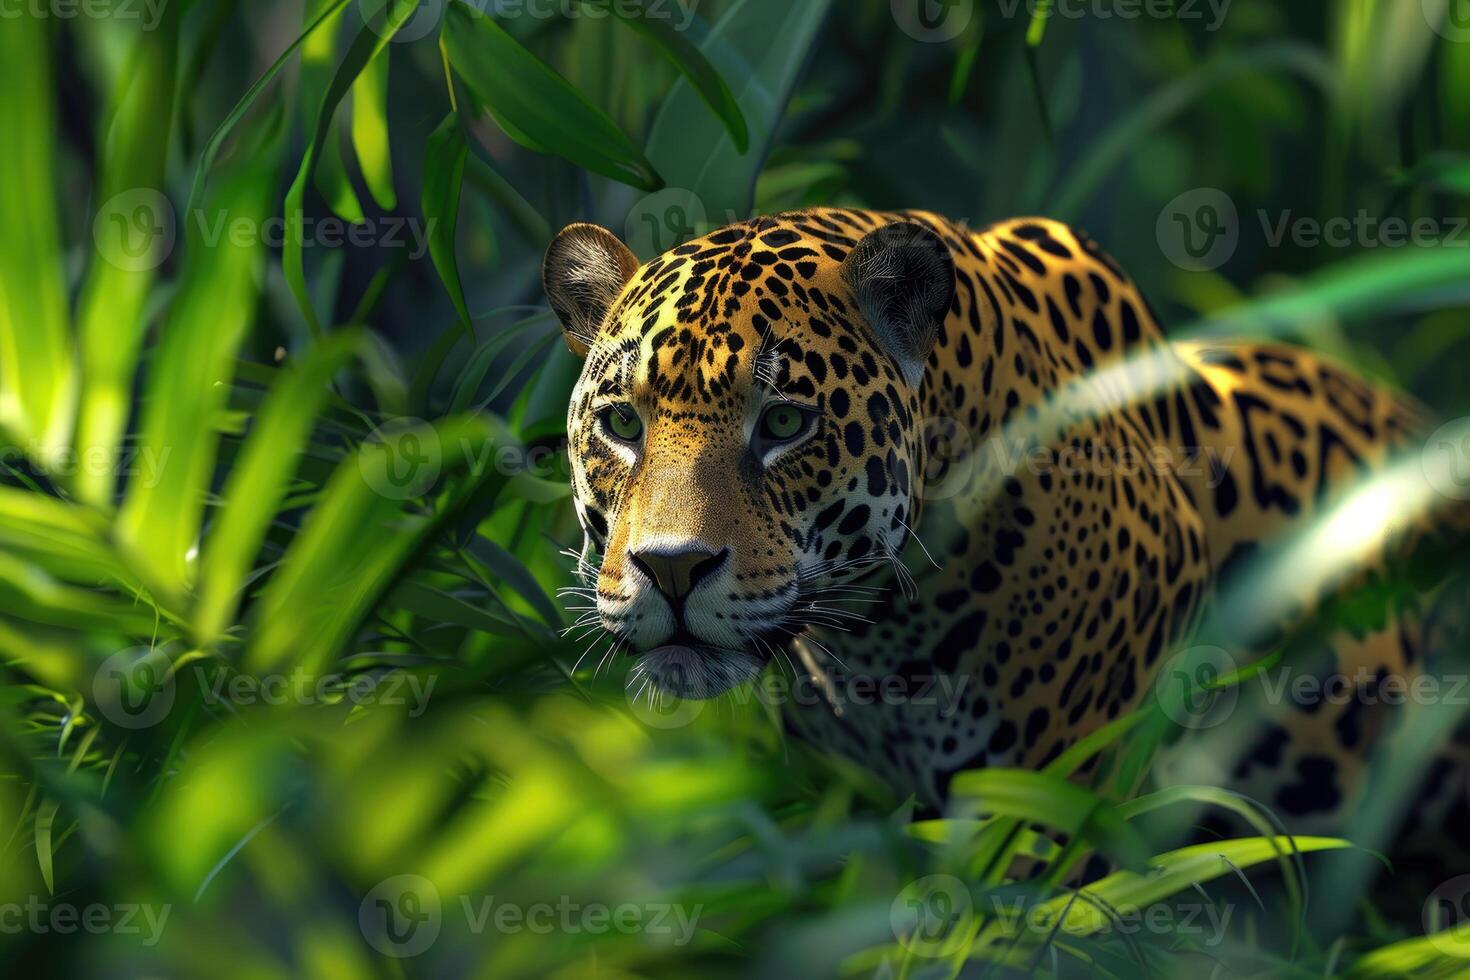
x,y
585,269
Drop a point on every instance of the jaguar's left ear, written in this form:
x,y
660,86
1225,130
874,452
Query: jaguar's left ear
x,y
902,277
585,269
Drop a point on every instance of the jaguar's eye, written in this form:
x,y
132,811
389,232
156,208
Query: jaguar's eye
x,y
783,423
621,422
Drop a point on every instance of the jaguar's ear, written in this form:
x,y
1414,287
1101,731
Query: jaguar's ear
x,y
584,270
902,277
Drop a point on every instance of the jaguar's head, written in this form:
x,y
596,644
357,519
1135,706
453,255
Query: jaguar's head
x,y
743,434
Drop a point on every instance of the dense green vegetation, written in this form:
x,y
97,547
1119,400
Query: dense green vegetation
x,y
285,681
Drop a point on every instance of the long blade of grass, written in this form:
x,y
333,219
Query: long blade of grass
x,y
188,384
382,24
260,479
110,320
37,375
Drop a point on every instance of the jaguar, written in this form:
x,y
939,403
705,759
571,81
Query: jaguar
x,y
885,445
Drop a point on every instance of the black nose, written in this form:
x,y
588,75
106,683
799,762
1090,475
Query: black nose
x,y
676,571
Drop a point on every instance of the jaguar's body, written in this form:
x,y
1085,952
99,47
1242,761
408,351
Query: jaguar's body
x,y
770,415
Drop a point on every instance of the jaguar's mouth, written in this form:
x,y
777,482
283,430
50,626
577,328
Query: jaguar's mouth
x,y
687,668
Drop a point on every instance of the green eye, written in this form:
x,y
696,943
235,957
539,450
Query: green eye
x,y
782,423
622,423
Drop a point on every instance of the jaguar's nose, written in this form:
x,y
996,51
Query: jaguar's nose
x,y
677,570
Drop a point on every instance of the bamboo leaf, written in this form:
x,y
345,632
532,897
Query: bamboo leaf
x,y
444,161
537,107
370,130
222,133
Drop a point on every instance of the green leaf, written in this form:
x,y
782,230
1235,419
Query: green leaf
x,y
222,133
761,45
331,178
514,573
188,382
370,130
37,376
45,820
1053,802
537,107
260,478
382,24
438,606
358,541
1170,873
444,161
110,314
1444,953
691,62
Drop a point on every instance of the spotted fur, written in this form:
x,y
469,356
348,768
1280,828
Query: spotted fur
x,y
993,380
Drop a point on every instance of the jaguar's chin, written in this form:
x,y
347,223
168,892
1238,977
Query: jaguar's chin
x,y
697,671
